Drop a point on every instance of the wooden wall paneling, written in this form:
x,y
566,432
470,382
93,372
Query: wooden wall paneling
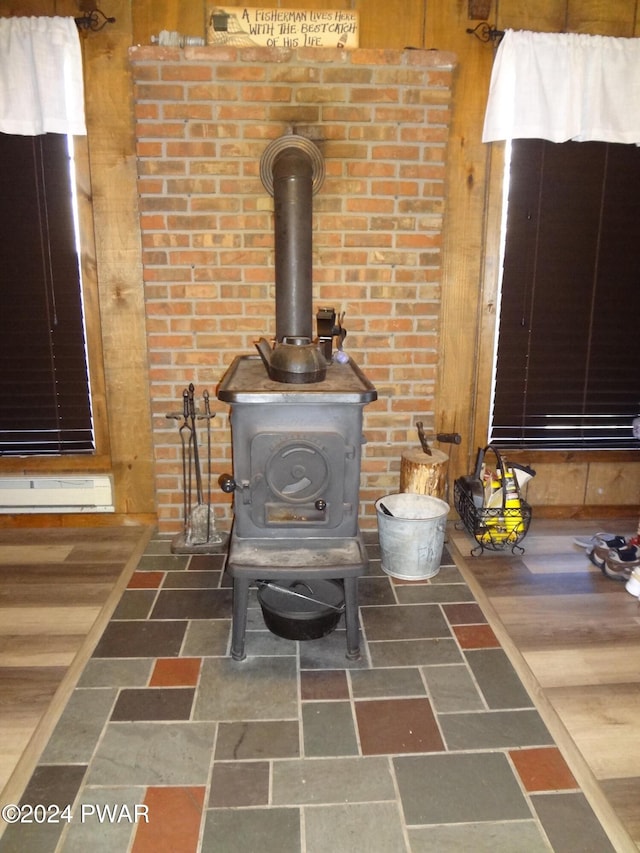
x,y
119,256
545,16
613,483
72,7
555,484
602,17
58,7
383,25
490,298
26,8
463,247
597,17
91,297
307,4
149,17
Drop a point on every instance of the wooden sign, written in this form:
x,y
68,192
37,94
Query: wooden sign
x,y
240,26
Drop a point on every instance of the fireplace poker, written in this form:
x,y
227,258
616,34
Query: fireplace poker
x,y
207,414
200,522
185,434
186,439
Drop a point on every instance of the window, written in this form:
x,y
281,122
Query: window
x,y
44,383
567,372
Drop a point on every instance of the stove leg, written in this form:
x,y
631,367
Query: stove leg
x,y
351,617
239,622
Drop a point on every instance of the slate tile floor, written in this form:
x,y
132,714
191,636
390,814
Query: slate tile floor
x,y
428,744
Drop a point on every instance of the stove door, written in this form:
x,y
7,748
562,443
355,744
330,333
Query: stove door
x,y
297,479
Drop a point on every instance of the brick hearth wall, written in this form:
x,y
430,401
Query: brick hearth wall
x,y
203,119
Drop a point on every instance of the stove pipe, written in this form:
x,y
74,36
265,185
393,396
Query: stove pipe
x,y
292,170
292,190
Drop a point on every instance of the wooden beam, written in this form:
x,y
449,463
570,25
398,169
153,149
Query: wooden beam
x,y
119,260
464,228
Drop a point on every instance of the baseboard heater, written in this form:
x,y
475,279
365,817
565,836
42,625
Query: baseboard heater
x,y
56,494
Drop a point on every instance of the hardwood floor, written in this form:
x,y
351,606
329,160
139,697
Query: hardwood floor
x,y
574,637
58,588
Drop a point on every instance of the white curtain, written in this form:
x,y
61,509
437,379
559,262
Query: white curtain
x,y
41,86
561,86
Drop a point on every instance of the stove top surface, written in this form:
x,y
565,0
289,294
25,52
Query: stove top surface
x,y
247,381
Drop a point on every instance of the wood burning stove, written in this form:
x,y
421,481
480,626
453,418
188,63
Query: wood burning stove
x,y
296,451
296,478
296,424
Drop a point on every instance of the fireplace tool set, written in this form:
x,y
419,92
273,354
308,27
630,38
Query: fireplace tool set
x,y
199,534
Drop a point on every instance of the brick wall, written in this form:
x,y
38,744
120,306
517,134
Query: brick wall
x,y
203,119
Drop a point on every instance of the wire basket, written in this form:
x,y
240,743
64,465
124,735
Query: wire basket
x,y
495,528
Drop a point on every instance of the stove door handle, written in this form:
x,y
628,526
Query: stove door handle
x,y
227,483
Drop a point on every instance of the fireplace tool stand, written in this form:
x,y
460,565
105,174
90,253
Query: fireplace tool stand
x,y
198,535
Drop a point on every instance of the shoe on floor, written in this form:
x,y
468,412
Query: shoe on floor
x,y
600,543
620,563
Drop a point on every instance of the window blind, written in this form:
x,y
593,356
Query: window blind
x,y
568,361
44,386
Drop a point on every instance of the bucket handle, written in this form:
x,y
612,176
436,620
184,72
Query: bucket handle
x,y
289,591
501,465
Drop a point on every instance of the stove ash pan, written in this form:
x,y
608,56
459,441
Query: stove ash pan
x,y
296,455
